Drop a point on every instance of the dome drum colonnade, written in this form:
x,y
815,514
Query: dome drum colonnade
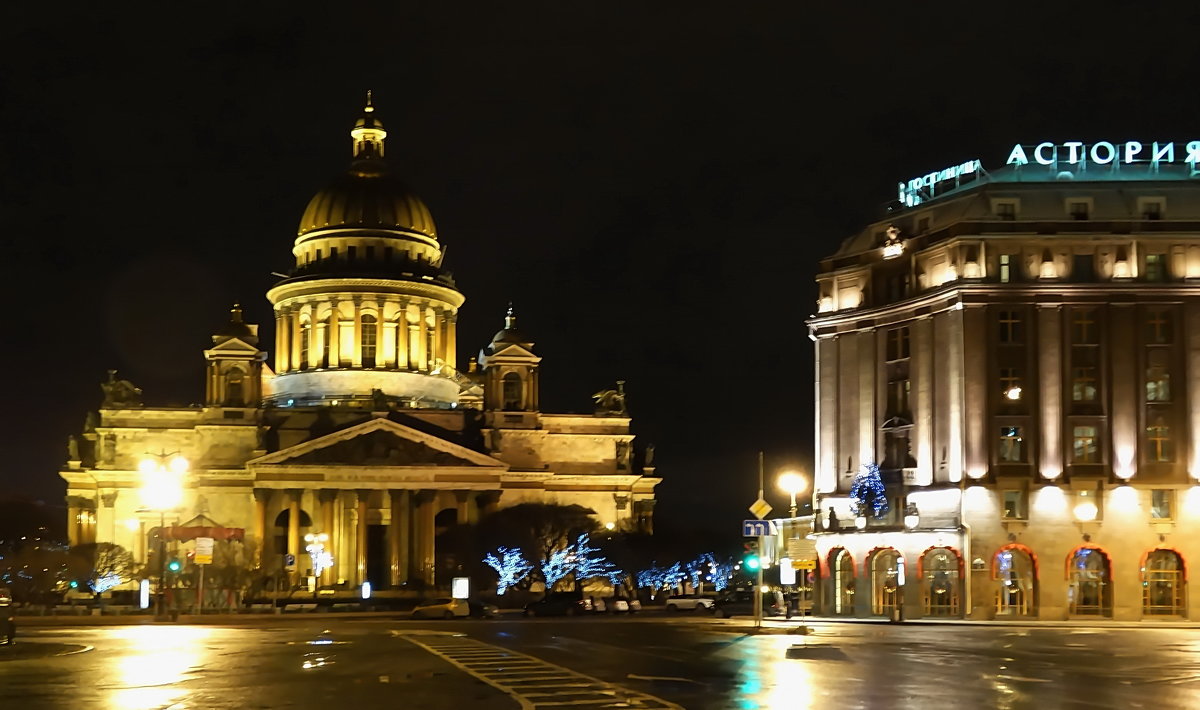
x,y
367,292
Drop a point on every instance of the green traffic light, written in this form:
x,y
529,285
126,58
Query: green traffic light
x,y
751,563
174,566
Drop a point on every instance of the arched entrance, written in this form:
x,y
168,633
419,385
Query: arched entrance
x,y
1089,592
1164,584
841,567
885,581
940,581
1016,569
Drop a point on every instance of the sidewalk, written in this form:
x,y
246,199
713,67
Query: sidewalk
x,y
797,621
246,618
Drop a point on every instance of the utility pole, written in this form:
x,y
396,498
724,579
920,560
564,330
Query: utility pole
x,y
758,598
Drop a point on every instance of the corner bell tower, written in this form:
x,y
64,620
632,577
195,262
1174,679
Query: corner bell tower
x,y
510,375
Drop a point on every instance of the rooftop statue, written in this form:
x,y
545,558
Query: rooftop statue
x,y
120,393
611,401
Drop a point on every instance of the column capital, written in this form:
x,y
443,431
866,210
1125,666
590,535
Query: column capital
x,y
327,495
486,498
109,499
424,496
294,494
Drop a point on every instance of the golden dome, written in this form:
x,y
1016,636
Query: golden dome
x,y
367,196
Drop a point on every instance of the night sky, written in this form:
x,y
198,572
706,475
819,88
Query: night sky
x,y
651,187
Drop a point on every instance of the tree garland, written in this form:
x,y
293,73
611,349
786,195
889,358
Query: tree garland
x,y
868,492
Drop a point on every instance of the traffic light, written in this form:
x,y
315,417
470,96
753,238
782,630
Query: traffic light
x,y
750,558
174,565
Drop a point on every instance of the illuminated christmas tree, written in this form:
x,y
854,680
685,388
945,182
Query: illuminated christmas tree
x,y
868,492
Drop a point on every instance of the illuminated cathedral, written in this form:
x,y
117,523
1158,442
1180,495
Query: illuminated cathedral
x,y
360,424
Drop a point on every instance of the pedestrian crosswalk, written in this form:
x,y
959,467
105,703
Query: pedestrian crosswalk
x,y
532,682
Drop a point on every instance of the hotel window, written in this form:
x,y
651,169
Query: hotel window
x,y
1158,326
1156,267
1160,503
1010,327
1010,383
1006,210
1158,377
898,393
1152,208
1014,505
1083,383
897,344
1084,445
1158,442
1083,327
1078,209
1007,262
1083,267
1012,445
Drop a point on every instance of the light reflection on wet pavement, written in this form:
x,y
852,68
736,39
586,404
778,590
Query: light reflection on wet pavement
x,y
698,665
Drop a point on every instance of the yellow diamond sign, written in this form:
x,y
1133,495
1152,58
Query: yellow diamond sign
x,y
760,508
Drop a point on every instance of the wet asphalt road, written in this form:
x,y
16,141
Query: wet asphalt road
x,y
607,662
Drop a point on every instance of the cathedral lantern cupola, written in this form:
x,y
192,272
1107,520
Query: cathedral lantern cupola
x,y
510,371
234,365
368,313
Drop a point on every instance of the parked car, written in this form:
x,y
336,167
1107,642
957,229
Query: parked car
x,y
557,604
482,610
441,608
690,602
8,622
742,604
621,605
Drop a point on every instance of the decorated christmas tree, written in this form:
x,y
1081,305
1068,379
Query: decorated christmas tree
x,y
868,492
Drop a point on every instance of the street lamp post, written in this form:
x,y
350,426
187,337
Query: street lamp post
x,y
162,490
792,483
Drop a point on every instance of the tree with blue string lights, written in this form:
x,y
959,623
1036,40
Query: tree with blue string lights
x,y
868,492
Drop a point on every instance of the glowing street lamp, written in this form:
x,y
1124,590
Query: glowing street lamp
x,y
792,483
162,490
322,559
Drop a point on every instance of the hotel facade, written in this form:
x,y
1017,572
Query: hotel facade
x,y
1018,352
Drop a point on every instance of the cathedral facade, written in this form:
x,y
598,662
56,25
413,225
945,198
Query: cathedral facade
x,y
361,426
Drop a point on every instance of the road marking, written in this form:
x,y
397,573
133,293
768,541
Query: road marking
x,y
532,682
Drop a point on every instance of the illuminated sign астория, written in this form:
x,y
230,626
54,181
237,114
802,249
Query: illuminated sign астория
x,y
919,189
1103,153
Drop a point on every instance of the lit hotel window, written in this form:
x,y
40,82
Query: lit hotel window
x,y
1158,441
1014,505
1084,448
1006,263
1156,267
1012,448
1010,327
1160,503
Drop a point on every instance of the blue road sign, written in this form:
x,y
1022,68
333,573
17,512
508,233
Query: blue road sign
x,y
757,528
289,560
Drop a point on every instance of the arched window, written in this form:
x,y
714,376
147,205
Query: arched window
x,y
1014,568
305,340
512,391
1089,592
843,582
368,341
235,396
940,582
281,531
1163,584
885,582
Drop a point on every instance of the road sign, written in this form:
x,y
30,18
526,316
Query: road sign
x,y
800,547
757,528
204,551
760,508
804,564
289,560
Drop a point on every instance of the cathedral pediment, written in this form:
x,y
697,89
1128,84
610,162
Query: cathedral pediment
x,y
379,442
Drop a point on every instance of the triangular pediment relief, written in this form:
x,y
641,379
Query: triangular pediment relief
x,y
233,345
512,350
379,442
